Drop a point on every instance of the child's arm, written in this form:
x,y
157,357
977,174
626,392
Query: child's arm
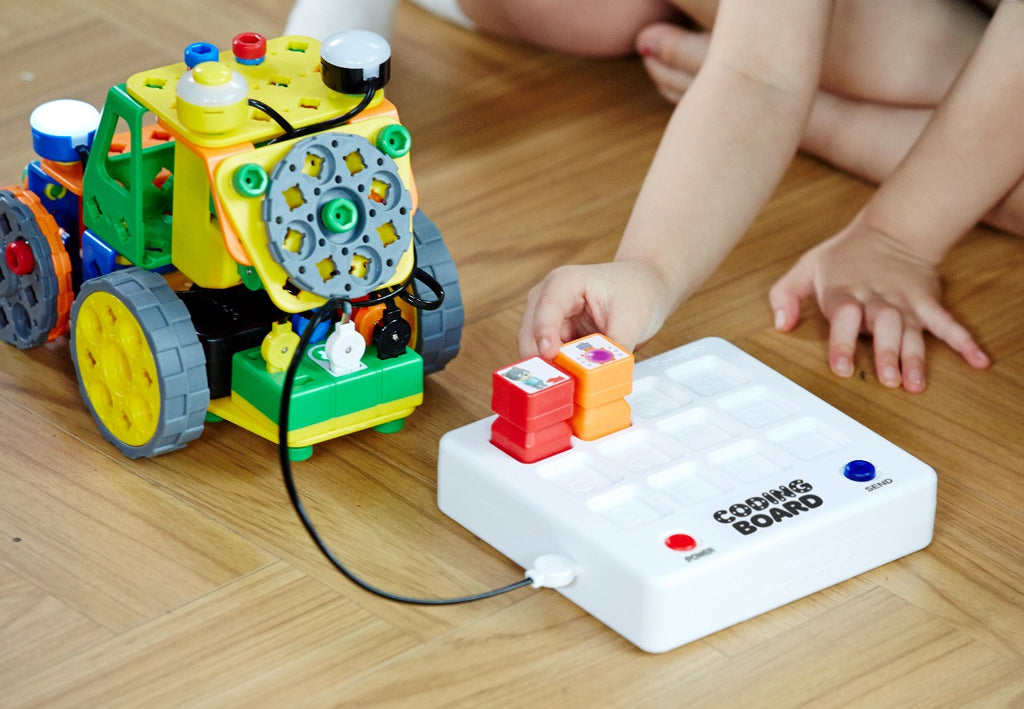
x,y
879,273
724,150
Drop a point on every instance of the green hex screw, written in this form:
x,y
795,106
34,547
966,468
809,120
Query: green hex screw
x,y
250,180
340,215
394,140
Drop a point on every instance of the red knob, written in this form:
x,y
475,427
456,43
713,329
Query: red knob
x,y
19,257
249,47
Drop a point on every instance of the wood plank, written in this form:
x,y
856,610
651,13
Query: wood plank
x,y
274,637
36,629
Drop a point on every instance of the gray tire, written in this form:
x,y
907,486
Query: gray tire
x,y
141,368
439,332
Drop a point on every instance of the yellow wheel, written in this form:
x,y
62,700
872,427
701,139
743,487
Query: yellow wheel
x,y
140,366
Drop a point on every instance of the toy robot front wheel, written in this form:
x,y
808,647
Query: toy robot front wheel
x,y
141,368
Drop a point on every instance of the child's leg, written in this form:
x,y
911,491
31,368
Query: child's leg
x,y
903,53
319,18
589,27
872,117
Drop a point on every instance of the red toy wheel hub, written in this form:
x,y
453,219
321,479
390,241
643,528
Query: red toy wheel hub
x,y
19,257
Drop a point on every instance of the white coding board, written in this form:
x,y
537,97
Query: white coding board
x,y
733,492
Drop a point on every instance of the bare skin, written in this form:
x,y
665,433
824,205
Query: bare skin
x,y
878,276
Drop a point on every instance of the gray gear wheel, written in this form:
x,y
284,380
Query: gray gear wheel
x,y
28,300
337,215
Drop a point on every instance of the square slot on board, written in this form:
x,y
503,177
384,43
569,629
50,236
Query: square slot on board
x,y
640,451
750,460
656,397
580,475
700,428
807,438
628,507
757,407
707,376
689,483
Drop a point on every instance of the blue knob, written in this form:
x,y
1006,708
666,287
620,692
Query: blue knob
x,y
859,471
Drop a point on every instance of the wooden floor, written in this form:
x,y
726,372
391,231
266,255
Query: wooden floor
x,y
186,580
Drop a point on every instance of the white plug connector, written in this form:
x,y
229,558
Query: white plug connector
x,y
552,571
344,348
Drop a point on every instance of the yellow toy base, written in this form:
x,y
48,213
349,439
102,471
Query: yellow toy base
x,y
241,413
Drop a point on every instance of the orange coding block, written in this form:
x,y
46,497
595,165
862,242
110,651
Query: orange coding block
x,y
599,421
603,371
604,377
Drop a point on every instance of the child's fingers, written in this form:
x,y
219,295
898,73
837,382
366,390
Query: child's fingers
x,y
787,293
912,360
885,324
941,324
845,319
538,334
550,305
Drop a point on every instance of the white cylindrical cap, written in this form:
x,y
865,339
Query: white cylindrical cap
x,y
58,127
350,58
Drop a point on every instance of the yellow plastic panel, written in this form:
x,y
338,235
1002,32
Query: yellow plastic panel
x,y
245,214
197,246
241,413
288,80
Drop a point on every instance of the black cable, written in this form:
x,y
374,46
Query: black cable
x,y
277,117
371,90
430,282
291,132
293,493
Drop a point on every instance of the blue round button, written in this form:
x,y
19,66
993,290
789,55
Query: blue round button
x,y
859,471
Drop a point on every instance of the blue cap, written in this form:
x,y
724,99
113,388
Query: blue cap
x,y
859,471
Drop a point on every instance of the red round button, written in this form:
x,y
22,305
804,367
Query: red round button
x,y
681,542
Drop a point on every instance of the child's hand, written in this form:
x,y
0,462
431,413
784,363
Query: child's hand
x,y
625,300
865,281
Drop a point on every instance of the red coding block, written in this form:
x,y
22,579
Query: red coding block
x,y
531,446
532,394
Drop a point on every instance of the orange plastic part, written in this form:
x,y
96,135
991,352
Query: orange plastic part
x,y
366,319
152,134
589,424
602,369
66,174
